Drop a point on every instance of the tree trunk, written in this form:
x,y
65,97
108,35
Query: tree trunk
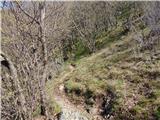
x,y
43,98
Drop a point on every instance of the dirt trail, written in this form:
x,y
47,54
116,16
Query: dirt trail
x,y
69,110
98,53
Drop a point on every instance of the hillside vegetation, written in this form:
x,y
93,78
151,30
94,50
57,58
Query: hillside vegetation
x,y
116,82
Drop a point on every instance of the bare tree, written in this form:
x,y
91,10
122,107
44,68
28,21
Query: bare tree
x,y
28,26
90,18
21,102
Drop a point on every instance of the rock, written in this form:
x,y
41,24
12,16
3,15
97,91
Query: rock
x,y
61,87
94,111
71,115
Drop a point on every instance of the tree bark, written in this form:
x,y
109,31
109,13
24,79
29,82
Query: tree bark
x,y
43,98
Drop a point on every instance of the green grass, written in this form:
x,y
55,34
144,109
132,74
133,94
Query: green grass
x,y
86,87
109,37
116,69
75,87
54,108
102,40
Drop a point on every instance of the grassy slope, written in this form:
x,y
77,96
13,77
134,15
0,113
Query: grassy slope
x,y
133,78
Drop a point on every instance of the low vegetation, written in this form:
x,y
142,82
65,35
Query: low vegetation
x,y
133,81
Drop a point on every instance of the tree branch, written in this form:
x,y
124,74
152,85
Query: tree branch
x,y
27,14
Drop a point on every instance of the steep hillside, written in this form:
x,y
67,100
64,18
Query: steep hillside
x,y
114,83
